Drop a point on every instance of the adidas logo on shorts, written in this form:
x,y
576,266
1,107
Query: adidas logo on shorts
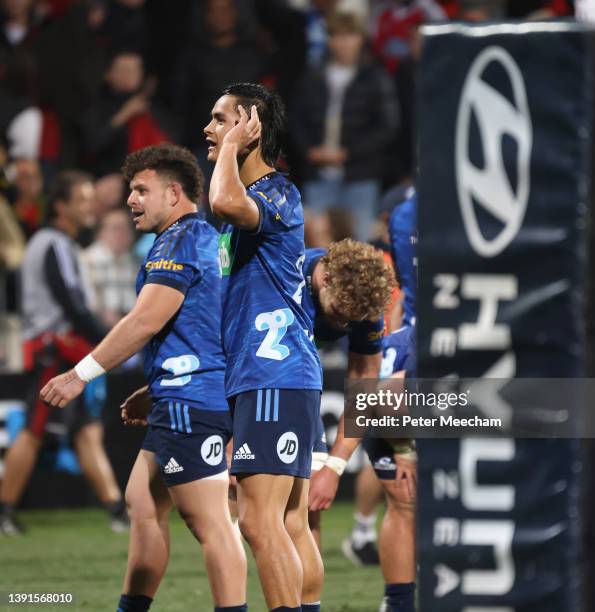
x,y
172,467
244,452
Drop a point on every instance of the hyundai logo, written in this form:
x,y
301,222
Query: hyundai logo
x,y
490,187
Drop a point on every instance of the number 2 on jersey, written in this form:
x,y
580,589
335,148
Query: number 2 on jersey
x,y
275,324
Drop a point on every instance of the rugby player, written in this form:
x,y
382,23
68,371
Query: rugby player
x,y
347,290
177,318
402,235
395,464
273,375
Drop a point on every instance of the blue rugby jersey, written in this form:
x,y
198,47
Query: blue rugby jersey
x,y
399,352
184,362
365,337
403,239
267,336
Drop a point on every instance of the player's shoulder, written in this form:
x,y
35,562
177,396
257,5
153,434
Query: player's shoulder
x,y
181,238
276,188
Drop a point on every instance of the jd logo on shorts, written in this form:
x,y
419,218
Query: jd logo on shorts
x,y
211,450
287,447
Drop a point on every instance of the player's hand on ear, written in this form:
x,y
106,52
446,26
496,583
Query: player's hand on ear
x,y
246,132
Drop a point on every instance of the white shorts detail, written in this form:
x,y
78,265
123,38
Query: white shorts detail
x,y
224,475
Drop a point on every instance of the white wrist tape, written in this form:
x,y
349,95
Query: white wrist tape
x,y
87,369
336,464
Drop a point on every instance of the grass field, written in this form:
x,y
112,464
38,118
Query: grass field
x,y
74,551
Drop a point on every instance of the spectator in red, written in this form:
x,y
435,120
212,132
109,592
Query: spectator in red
x,y
393,24
124,119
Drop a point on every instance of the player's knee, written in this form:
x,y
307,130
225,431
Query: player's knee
x,y
249,528
296,523
201,527
140,504
194,526
255,528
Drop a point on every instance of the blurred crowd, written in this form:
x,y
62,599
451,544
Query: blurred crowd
x,y
85,82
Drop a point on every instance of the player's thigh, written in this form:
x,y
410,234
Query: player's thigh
x,y
262,502
146,494
203,504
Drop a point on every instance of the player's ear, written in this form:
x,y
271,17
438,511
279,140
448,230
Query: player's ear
x,y
326,280
176,190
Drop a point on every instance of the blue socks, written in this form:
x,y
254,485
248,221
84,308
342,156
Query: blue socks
x,y
242,608
134,603
311,607
400,596
286,609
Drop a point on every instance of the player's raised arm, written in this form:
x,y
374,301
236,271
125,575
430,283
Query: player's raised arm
x,y
227,194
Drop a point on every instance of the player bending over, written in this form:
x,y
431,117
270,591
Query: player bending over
x,y
177,319
347,290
